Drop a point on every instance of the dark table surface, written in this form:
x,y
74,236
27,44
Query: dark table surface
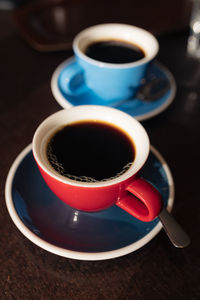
x,y
156,271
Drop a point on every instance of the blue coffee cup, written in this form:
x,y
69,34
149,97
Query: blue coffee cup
x,y
109,81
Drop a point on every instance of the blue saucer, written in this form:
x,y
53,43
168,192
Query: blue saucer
x,y
137,108
60,229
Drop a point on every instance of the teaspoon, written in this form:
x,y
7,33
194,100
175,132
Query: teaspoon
x,y
149,91
174,231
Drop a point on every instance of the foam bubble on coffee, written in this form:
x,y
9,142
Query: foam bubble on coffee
x,y
60,169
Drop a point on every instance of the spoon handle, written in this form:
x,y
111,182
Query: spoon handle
x,y
174,231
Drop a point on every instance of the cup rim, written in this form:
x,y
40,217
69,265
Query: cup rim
x,y
78,52
44,131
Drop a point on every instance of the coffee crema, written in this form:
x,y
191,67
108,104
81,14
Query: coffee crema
x,y
90,151
114,51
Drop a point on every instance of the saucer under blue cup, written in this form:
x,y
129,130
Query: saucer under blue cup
x,y
137,108
56,227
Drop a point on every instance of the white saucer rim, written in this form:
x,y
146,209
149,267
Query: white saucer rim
x,y
64,103
77,254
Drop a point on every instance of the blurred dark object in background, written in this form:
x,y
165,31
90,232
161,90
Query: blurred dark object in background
x,y
11,4
50,25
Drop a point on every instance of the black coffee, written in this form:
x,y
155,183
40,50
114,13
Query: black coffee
x,y
114,51
90,151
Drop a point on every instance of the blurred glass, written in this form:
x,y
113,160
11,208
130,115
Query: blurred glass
x,y
193,46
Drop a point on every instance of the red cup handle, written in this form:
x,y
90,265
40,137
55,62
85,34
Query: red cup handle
x,y
143,201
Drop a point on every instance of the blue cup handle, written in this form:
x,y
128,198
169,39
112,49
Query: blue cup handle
x,y
71,80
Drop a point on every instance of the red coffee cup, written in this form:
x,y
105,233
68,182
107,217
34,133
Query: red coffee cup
x,y
128,191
